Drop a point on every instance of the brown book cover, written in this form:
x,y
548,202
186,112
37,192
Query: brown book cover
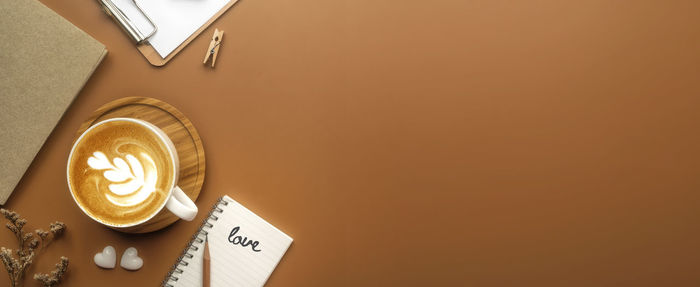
x,y
44,62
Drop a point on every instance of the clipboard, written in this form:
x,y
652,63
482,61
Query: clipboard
x,y
141,40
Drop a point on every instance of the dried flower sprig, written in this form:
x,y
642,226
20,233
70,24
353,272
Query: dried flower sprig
x,y
16,266
55,230
28,243
49,280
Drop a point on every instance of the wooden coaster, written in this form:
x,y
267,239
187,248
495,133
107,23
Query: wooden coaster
x,y
180,130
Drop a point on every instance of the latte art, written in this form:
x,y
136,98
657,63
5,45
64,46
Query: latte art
x,y
120,172
133,184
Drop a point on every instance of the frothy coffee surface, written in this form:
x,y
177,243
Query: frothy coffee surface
x,y
120,172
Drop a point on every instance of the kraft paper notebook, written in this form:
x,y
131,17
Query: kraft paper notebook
x,y
44,62
244,249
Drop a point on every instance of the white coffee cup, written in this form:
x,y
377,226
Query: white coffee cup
x,y
176,200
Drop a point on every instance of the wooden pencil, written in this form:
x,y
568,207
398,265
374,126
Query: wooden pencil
x,y
205,264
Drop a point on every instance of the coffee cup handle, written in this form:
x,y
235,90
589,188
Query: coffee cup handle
x,y
181,205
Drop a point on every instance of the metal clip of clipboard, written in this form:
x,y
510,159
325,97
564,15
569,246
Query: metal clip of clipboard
x,y
127,25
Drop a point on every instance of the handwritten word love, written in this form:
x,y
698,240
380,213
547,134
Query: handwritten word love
x,y
242,241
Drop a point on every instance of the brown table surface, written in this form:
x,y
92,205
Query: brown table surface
x,y
420,143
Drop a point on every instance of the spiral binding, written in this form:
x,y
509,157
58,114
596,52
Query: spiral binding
x,y
198,237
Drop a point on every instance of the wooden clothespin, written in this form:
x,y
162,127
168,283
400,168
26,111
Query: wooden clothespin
x,y
214,47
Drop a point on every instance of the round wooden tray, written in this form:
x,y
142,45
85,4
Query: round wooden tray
x,y
180,130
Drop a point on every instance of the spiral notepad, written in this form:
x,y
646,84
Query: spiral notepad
x,y
244,249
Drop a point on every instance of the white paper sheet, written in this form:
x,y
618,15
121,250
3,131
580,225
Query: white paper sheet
x,y
176,20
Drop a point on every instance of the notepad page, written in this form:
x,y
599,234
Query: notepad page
x,y
236,258
176,20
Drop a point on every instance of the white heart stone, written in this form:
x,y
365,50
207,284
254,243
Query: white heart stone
x,y
131,260
107,258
